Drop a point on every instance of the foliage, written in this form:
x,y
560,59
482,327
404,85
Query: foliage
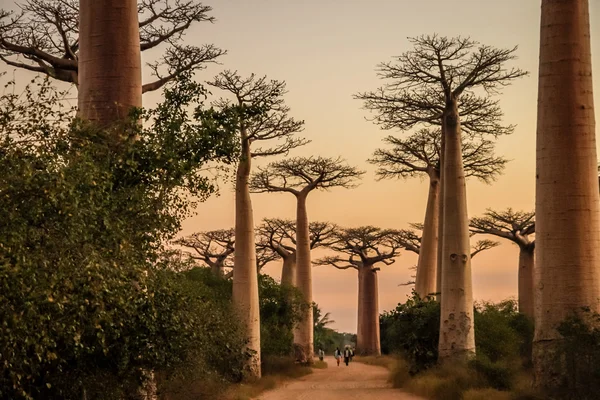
x,y
280,310
328,339
579,356
90,299
412,330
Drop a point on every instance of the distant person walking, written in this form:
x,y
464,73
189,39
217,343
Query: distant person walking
x,y
321,354
347,353
338,355
351,354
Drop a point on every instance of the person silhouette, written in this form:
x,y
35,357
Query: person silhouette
x,y
338,355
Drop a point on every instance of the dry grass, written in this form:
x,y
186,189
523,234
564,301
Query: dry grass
x,y
486,394
320,365
381,361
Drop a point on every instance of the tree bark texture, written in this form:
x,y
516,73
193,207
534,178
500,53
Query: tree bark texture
x,y
526,280
567,201
110,67
303,334
426,281
457,333
368,333
440,244
245,278
288,271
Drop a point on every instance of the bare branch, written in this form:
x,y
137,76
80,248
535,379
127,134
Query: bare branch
x,y
369,244
515,226
302,175
43,37
483,245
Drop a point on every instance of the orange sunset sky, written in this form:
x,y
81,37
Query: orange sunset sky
x,y
327,50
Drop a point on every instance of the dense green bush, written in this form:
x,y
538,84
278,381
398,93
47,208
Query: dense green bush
x,y
412,330
89,297
579,356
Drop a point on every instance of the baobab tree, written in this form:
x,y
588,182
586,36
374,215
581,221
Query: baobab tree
x,y
262,116
48,37
567,202
300,176
419,156
435,83
364,248
279,236
109,61
214,248
516,226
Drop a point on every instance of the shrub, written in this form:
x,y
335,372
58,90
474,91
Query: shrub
x,y
578,357
412,330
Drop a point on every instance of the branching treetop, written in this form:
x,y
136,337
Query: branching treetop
x,y
265,116
515,226
410,240
364,247
43,37
300,175
420,81
280,235
215,248
419,154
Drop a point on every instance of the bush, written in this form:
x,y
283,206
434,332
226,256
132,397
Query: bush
x,y
578,357
412,330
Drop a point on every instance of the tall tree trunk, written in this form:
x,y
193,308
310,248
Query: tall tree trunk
x,y
218,270
245,278
526,287
288,271
440,244
427,266
303,335
567,202
457,333
368,333
110,67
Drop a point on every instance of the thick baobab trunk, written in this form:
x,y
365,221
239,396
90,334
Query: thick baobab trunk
x,y
440,243
426,281
303,334
567,203
457,334
245,279
288,271
368,336
110,67
526,287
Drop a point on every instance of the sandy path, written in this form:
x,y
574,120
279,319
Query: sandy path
x,y
357,381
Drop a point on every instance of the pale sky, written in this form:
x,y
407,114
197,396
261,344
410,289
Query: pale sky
x,y
327,50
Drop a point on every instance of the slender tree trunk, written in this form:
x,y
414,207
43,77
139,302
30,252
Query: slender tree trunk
x,y
217,270
361,336
110,67
526,288
427,266
303,335
288,271
368,333
245,279
457,334
440,244
567,202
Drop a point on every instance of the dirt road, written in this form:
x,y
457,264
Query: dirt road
x,y
357,381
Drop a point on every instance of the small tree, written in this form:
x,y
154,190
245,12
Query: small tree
x,y
300,176
214,248
516,226
279,236
364,248
419,155
260,115
44,37
436,83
